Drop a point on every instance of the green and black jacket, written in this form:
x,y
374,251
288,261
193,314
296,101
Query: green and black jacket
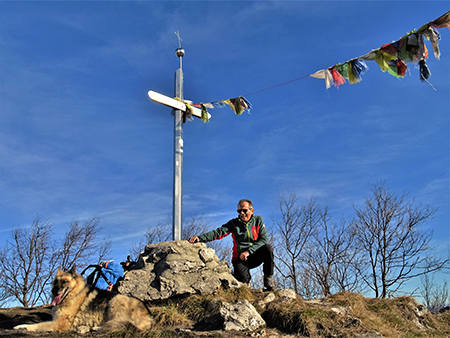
x,y
248,236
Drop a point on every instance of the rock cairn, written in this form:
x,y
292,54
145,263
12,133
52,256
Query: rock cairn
x,y
176,268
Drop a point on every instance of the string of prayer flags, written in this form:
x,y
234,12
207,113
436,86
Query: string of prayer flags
x,y
238,105
391,57
441,22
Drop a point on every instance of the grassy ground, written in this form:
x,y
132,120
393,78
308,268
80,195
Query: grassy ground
x,y
342,315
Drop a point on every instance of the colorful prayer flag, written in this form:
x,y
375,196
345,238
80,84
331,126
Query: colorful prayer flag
x,y
392,56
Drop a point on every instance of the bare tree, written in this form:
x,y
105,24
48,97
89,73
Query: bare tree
x,y
30,258
387,230
426,289
330,256
298,224
161,232
435,296
27,262
345,274
441,297
81,244
194,224
307,285
5,294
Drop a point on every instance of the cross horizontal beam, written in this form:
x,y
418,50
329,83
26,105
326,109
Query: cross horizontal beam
x,y
175,104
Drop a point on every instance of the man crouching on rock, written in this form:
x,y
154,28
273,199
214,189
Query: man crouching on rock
x,y
251,246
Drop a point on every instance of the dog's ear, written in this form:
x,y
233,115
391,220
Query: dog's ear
x,y
59,271
72,271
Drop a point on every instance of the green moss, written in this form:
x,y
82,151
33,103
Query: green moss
x,y
314,313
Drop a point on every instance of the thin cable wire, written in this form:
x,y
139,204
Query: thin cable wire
x,y
278,85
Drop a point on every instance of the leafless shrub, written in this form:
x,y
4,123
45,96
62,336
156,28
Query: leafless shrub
x,y
435,296
30,258
396,249
80,244
331,256
298,224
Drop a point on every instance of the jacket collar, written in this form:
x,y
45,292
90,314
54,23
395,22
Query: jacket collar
x,y
251,218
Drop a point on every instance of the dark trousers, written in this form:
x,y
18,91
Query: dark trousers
x,y
264,255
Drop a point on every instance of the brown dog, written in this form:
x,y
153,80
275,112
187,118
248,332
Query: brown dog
x,y
79,305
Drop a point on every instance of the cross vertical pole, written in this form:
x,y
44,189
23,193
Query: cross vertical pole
x,y
178,154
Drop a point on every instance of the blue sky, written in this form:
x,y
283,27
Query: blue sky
x,y
79,136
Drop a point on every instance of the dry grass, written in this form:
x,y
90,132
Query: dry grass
x,y
341,315
168,316
389,317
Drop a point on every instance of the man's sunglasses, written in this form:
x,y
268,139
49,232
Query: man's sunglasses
x,y
242,210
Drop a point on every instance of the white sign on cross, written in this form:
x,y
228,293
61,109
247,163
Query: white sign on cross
x,y
175,104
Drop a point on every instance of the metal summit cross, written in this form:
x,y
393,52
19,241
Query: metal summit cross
x,y
179,107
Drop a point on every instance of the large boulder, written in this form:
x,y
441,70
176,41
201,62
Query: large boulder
x,y
176,268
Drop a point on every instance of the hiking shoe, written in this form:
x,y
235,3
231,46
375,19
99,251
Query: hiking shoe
x,y
269,285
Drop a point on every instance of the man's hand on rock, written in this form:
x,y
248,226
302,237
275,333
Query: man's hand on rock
x,y
193,239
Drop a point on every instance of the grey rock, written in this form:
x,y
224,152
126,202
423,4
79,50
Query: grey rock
x,y
421,310
268,299
341,310
241,316
176,268
287,295
207,255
